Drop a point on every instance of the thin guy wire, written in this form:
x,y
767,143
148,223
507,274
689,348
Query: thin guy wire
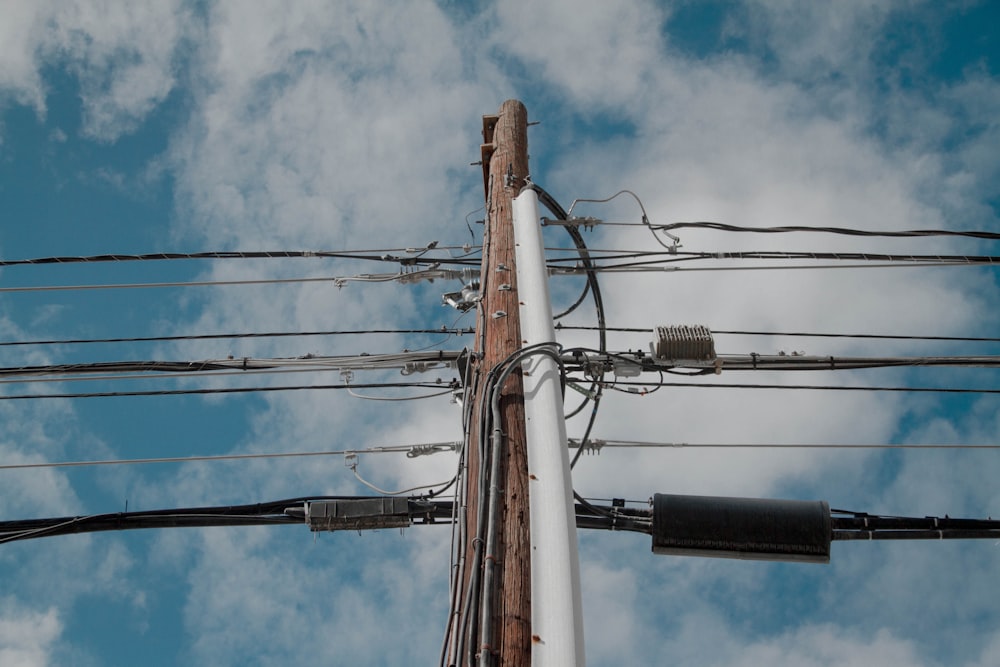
x,y
598,444
225,390
392,449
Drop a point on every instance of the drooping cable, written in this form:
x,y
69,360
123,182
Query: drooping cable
x,y
496,452
441,486
645,218
287,511
383,255
596,390
719,226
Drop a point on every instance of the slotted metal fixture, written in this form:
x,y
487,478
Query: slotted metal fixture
x,y
683,342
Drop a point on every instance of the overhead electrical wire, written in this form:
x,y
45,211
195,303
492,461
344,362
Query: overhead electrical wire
x,y
272,512
161,376
658,267
844,524
783,229
721,385
907,233
660,259
796,333
338,281
597,444
181,283
220,336
411,451
405,362
368,254
227,390
587,360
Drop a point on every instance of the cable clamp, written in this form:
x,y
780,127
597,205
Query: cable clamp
x,y
589,394
425,450
587,222
411,367
591,446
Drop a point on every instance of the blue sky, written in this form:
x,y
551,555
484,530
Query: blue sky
x,y
145,127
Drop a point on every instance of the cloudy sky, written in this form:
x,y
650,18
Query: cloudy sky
x,y
216,126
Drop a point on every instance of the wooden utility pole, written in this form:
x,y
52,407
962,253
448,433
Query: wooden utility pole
x,y
502,635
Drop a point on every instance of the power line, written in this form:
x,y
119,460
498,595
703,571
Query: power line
x,y
182,283
412,276
798,333
272,334
718,226
597,444
667,261
720,385
406,362
411,451
723,227
773,362
227,390
240,254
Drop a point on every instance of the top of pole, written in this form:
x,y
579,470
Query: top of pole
x,y
516,118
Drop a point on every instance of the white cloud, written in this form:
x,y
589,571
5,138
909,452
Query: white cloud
x,y
122,55
601,54
19,76
27,636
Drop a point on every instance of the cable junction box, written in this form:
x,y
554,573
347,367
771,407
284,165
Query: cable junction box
x,y
683,342
358,514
